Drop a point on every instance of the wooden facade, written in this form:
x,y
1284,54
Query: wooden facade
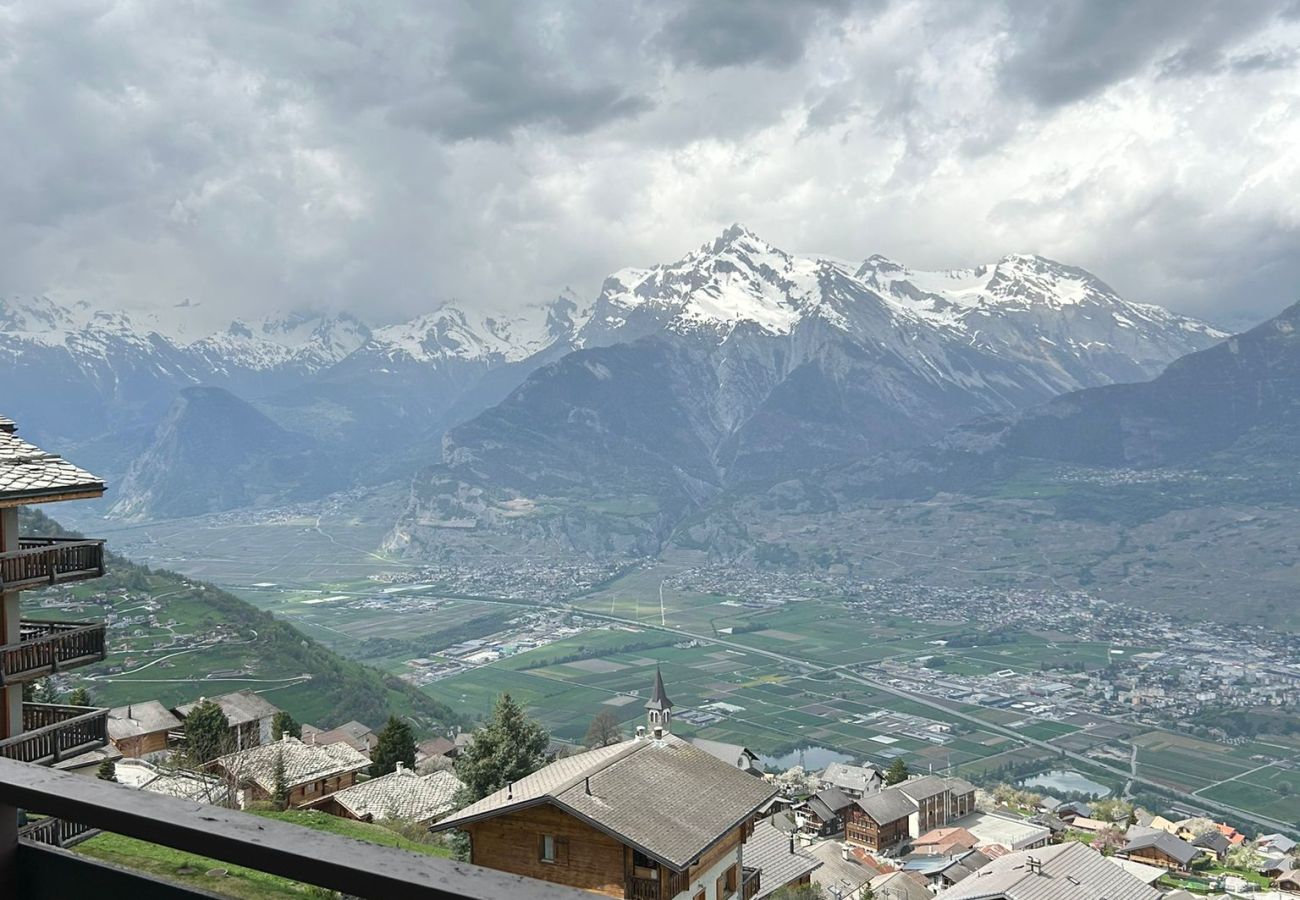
x,y
1154,856
305,793
860,828
138,745
588,858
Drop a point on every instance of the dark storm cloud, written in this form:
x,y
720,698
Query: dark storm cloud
x,y
1061,51
715,34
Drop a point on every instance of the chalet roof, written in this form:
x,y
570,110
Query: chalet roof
x,y
356,735
1069,871
659,700
29,474
145,776
887,806
773,853
1276,841
665,797
241,707
899,886
136,719
853,778
302,762
1213,840
829,803
1174,847
438,746
401,795
732,754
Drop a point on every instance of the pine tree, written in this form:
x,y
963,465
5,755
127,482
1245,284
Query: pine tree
x,y
280,796
80,697
107,771
206,732
283,724
897,772
508,747
396,744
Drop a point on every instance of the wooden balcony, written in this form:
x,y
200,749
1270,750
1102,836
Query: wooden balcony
x,y
44,648
750,883
41,561
52,733
56,832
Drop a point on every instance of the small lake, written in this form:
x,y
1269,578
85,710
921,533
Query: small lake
x,y
814,759
1062,781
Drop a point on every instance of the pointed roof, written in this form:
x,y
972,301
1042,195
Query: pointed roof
x,y
660,699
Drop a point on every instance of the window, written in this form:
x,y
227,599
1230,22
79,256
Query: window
x,y
643,866
553,850
727,883
546,853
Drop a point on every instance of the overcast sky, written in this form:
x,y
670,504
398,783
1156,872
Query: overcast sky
x,y
386,157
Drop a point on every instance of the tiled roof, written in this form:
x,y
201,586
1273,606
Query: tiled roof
x,y
140,718
302,762
240,707
887,806
665,797
1069,871
770,851
28,473
401,795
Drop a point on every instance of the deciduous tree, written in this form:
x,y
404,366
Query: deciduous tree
x,y
605,729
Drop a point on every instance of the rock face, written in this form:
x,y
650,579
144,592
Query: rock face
x,y
742,363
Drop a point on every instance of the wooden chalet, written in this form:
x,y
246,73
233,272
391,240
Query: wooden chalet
x,y
248,716
402,795
650,818
909,809
311,771
824,813
139,729
1161,849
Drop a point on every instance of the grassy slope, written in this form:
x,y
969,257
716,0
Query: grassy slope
x,y
339,689
191,870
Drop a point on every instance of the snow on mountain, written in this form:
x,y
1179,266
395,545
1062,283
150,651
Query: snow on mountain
x,y
302,340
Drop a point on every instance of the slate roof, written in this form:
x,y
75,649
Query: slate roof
x,y
899,886
829,803
923,788
659,700
241,707
854,778
1174,847
439,746
356,735
1275,841
1070,871
665,797
29,474
733,754
302,762
769,850
140,718
401,795
7,425
887,806
1215,841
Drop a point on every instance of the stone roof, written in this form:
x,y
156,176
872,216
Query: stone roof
x,y
1174,847
899,886
1069,871
7,425
733,754
854,778
401,795
665,797
302,762
837,872
241,707
359,737
140,718
829,803
29,474
145,776
772,852
887,806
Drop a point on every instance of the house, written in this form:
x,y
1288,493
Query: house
x,y
880,821
433,748
1289,882
139,729
741,757
359,737
1275,843
778,861
1091,826
944,842
1069,871
944,871
145,776
994,830
402,795
247,715
311,771
855,781
1073,808
844,873
899,886
939,800
1213,843
824,812
653,817
1161,849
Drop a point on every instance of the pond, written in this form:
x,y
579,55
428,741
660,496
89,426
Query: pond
x,y
1062,781
814,759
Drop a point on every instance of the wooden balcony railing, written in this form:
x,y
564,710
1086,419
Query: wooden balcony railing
x,y
40,872
40,561
56,832
642,888
47,647
52,733
749,883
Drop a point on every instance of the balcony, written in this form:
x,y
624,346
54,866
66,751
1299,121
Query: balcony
x,y
52,733
56,832
41,561
36,871
47,647
750,883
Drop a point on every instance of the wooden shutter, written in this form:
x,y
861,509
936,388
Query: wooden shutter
x,y
561,851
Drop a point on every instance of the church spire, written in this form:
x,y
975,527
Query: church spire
x,y
659,707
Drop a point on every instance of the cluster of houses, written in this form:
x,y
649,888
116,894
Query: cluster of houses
x,y
323,770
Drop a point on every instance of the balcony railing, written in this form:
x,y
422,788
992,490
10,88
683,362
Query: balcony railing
x,y
36,872
39,561
56,832
52,733
642,888
749,883
47,647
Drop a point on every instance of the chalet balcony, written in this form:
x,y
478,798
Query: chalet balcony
x,y
56,832
44,648
36,870
749,883
52,733
41,561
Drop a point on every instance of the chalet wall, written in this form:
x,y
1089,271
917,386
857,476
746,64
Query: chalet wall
x,y
860,828
140,745
587,858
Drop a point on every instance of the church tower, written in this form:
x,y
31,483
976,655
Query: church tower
x,y
659,709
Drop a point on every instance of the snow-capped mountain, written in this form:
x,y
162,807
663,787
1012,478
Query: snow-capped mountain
x,y
303,341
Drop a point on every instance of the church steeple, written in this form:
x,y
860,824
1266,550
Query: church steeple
x,y
659,709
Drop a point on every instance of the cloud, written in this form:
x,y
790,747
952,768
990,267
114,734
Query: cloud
x,y
384,159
